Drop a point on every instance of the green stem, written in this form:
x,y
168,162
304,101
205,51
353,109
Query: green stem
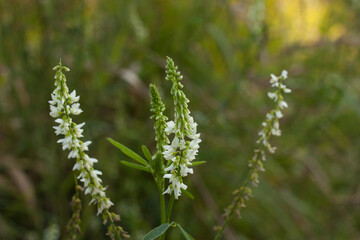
x,y
160,186
231,212
163,212
168,213
162,208
171,203
239,196
162,203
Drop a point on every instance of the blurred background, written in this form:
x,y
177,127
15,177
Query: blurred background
x,y
226,51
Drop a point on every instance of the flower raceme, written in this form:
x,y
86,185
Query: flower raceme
x,y
270,127
62,105
185,144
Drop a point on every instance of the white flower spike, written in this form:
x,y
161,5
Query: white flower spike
x,y
62,106
271,126
185,144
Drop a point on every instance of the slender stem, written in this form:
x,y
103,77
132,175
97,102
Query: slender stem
x,y
238,197
169,209
163,212
160,186
162,203
228,217
162,208
168,213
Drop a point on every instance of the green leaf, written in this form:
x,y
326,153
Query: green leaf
x,y
185,234
187,193
136,166
156,232
146,152
128,151
197,163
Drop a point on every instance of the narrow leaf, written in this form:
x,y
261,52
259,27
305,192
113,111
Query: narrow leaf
x,y
146,152
187,193
197,163
156,232
185,234
128,151
135,165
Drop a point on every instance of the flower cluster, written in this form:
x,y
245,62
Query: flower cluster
x,y
185,144
158,108
270,127
62,106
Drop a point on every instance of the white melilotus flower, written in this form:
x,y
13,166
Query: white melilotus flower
x,y
62,105
271,126
185,144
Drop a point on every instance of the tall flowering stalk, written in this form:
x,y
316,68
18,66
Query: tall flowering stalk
x,y
185,144
178,153
158,108
62,106
270,127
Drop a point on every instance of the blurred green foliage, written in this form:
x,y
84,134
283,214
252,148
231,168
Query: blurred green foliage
x,y
226,51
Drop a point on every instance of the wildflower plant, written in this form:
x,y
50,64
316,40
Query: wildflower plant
x,y
62,107
173,160
177,145
270,127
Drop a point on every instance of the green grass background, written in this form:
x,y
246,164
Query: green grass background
x,y
226,51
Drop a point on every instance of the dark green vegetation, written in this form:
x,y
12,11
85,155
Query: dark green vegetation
x,y
226,51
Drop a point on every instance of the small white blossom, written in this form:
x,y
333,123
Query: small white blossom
x,y
283,104
73,98
274,80
272,95
284,74
170,127
55,111
84,146
74,153
170,168
78,130
175,185
287,90
75,109
184,170
269,116
275,129
278,114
